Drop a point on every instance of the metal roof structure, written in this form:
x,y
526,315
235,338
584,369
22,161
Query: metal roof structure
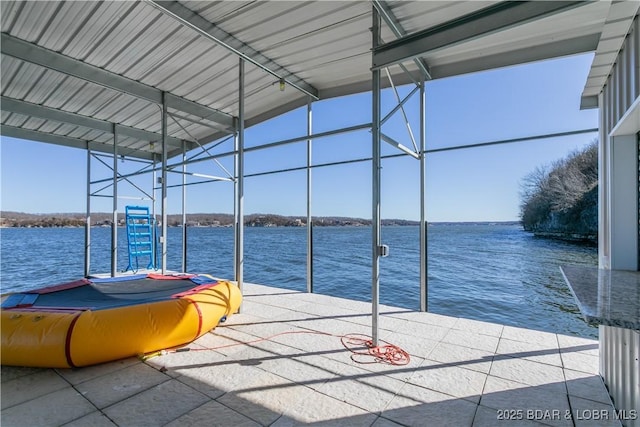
x,y
153,79
616,27
73,73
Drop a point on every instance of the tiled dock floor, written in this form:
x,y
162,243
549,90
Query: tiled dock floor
x,y
462,373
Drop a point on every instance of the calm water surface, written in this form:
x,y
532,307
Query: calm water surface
x,y
495,273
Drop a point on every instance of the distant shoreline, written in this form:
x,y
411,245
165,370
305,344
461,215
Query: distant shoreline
x,y
70,220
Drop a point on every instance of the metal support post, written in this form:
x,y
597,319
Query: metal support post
x,y
87,226
239,182
375,183
114,219
424,279
163,236
184,207
154,177
309,188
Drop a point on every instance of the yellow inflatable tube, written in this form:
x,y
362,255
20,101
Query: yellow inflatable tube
x,y
64,337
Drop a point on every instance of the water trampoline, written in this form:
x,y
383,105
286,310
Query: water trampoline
x,y
91,321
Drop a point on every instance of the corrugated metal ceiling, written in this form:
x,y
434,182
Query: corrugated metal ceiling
x,y
613,33
324,46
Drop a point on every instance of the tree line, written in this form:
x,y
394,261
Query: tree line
x,y
561,199
21,219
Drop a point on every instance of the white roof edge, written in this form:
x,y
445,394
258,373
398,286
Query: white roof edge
x,y
621,13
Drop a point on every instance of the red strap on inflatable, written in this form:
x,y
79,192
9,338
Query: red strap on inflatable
x,y
195,290
195,305
67,341
169,277
61,287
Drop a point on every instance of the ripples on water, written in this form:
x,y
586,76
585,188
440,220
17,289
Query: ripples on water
x,y
496,273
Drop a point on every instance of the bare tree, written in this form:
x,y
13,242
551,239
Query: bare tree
x,y
559,189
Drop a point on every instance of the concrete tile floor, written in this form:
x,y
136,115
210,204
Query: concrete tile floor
x,y
281,363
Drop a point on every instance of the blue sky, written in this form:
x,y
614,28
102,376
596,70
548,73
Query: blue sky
x,y
479,184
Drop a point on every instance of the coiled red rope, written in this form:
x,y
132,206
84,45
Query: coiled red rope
x,y
361,346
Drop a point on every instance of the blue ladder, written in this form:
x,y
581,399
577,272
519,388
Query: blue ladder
x,y
141,237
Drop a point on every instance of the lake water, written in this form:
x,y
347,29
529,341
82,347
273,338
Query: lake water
x,y
491,272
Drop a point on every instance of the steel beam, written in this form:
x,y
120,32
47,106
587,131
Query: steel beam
x,y
163,237
399,105
552,49
206,150
29,52
126,176
398,145
404,113
239,183
200,175
202,111
214,33
399,155
154,179
512,140
122,177
424,272
283,142
376,166
114,224
51,138
215,127
489,20
396,28
87,226
309,201
184,209
35,110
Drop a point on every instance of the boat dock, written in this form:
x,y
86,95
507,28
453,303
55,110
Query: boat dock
x,y
281,362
